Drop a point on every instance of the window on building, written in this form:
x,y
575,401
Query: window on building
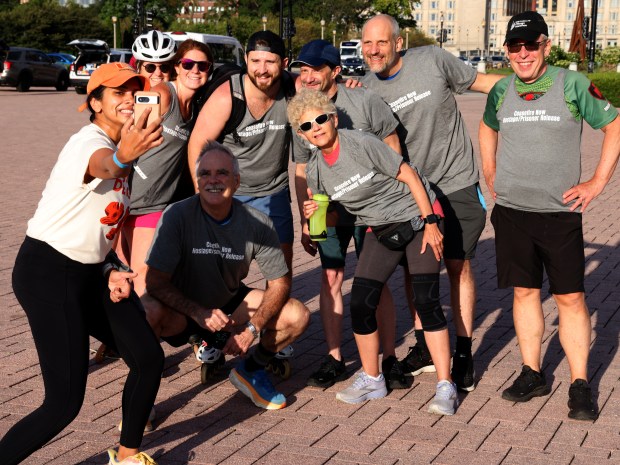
x,y
433,17
433,31
569,16
614,3
450,16
451,4
613,16
434,5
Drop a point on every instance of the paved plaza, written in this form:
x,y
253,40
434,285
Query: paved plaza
x,y
209,424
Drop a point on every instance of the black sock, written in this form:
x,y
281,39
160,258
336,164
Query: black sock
x,y
419,337
463,345
259,359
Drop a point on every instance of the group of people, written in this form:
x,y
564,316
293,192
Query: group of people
x,y
396,160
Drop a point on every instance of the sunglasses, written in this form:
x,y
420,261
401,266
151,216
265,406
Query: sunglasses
x,y
188,64
151,67
529,46
321,119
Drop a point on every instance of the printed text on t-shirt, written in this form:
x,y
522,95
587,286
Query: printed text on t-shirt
x,y
407,100
213,248
350,184
259,128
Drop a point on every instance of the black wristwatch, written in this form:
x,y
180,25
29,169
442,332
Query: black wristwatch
x,y
432,219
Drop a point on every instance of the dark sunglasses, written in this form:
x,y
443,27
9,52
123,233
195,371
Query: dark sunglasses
x,y
188,64
151,67
529,46
321,119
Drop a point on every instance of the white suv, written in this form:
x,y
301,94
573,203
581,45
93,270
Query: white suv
x,y
91,54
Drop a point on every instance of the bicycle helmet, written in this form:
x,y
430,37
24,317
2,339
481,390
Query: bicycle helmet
x,y
154,47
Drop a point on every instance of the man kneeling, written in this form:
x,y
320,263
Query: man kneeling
x,y
202,250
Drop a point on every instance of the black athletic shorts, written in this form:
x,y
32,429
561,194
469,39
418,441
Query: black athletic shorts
x,y
333,250
465,217
194,328
528,242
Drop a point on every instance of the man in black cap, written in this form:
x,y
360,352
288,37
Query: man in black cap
x,y
539,200
261,141
361,109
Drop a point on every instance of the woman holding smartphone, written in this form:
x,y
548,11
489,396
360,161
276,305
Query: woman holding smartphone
x,y
161,176
67,283
371,181
154,52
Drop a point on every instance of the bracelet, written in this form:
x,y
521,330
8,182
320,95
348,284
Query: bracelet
x,y
118,162
253,329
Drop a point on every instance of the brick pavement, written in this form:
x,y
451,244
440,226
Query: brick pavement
x,y
199,424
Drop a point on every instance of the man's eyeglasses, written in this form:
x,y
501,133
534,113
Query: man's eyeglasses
x,y
188,64
151,67
529,46
321,119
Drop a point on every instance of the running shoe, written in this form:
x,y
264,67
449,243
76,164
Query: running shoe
x,y
139,459
463,372
394,373
580,401
330,371
362,389
257,386
418,361
445,400
528,384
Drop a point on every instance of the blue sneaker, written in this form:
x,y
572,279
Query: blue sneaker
x,y
257,386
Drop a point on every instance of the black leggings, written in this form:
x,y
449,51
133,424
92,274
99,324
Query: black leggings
x,y
374,267
65,302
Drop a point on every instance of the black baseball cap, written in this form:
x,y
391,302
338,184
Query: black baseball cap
x,y
528,25
266,41
318,52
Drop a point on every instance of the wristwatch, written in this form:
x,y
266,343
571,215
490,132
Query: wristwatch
x,y
253,329
432,219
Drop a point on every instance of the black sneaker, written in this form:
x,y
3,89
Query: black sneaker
x,y
330,371
463,372
528,384
418,361
580,401
393,373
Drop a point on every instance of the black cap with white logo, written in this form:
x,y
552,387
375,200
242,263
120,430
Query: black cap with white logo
x,y
528,25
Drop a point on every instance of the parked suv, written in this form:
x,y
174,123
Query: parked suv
x,y
26,67
91,54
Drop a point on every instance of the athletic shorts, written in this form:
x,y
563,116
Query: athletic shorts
x,y
464,219
333,250
278,207
192,327
148,220
528,242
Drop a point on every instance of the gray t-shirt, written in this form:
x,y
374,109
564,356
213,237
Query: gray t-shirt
x,y
363,180
156,174
432,131
263,150
357,108
209,260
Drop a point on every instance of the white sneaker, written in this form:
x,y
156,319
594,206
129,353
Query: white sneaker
x,y
363,388
139,459
446,399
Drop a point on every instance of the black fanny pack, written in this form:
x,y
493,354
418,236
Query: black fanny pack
x,y
394,236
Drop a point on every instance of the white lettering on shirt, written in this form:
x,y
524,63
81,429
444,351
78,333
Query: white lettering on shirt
x,y
530,116
352,183
213,248
407,100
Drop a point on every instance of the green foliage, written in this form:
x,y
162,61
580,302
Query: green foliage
x,y
559,57
417,38
610,56
609,85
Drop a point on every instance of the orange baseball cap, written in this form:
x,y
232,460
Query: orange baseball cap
x,y
112,75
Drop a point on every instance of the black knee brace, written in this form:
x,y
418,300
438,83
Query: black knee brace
x,y
426,301
365,294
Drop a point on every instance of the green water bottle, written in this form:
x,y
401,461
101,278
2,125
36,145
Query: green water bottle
x,y
318,224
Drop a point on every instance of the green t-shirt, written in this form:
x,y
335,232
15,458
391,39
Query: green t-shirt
x,y
582,97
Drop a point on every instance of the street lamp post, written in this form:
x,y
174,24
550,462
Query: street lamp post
x,y
322,29
334,35
114,20
264,19
441,30
407,38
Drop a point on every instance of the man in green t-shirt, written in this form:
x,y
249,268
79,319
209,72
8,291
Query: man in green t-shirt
x,y
539,199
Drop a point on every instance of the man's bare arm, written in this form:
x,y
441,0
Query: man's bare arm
x,y
488,148
275,296
393,142
159,285
485,82
301,192
209,124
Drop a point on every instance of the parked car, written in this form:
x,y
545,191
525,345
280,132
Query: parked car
x,y
91,54
353,67
27,67
497,61
64,59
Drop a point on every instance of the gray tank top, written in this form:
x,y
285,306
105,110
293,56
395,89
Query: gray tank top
x,y
157,173
540,156
263,150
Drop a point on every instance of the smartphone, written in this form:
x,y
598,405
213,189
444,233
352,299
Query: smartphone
x,y
144,100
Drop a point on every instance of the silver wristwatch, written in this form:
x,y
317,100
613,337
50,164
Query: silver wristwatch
x,y
253,329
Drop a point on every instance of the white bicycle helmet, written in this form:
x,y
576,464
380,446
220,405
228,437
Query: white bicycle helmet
x,y
154,46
